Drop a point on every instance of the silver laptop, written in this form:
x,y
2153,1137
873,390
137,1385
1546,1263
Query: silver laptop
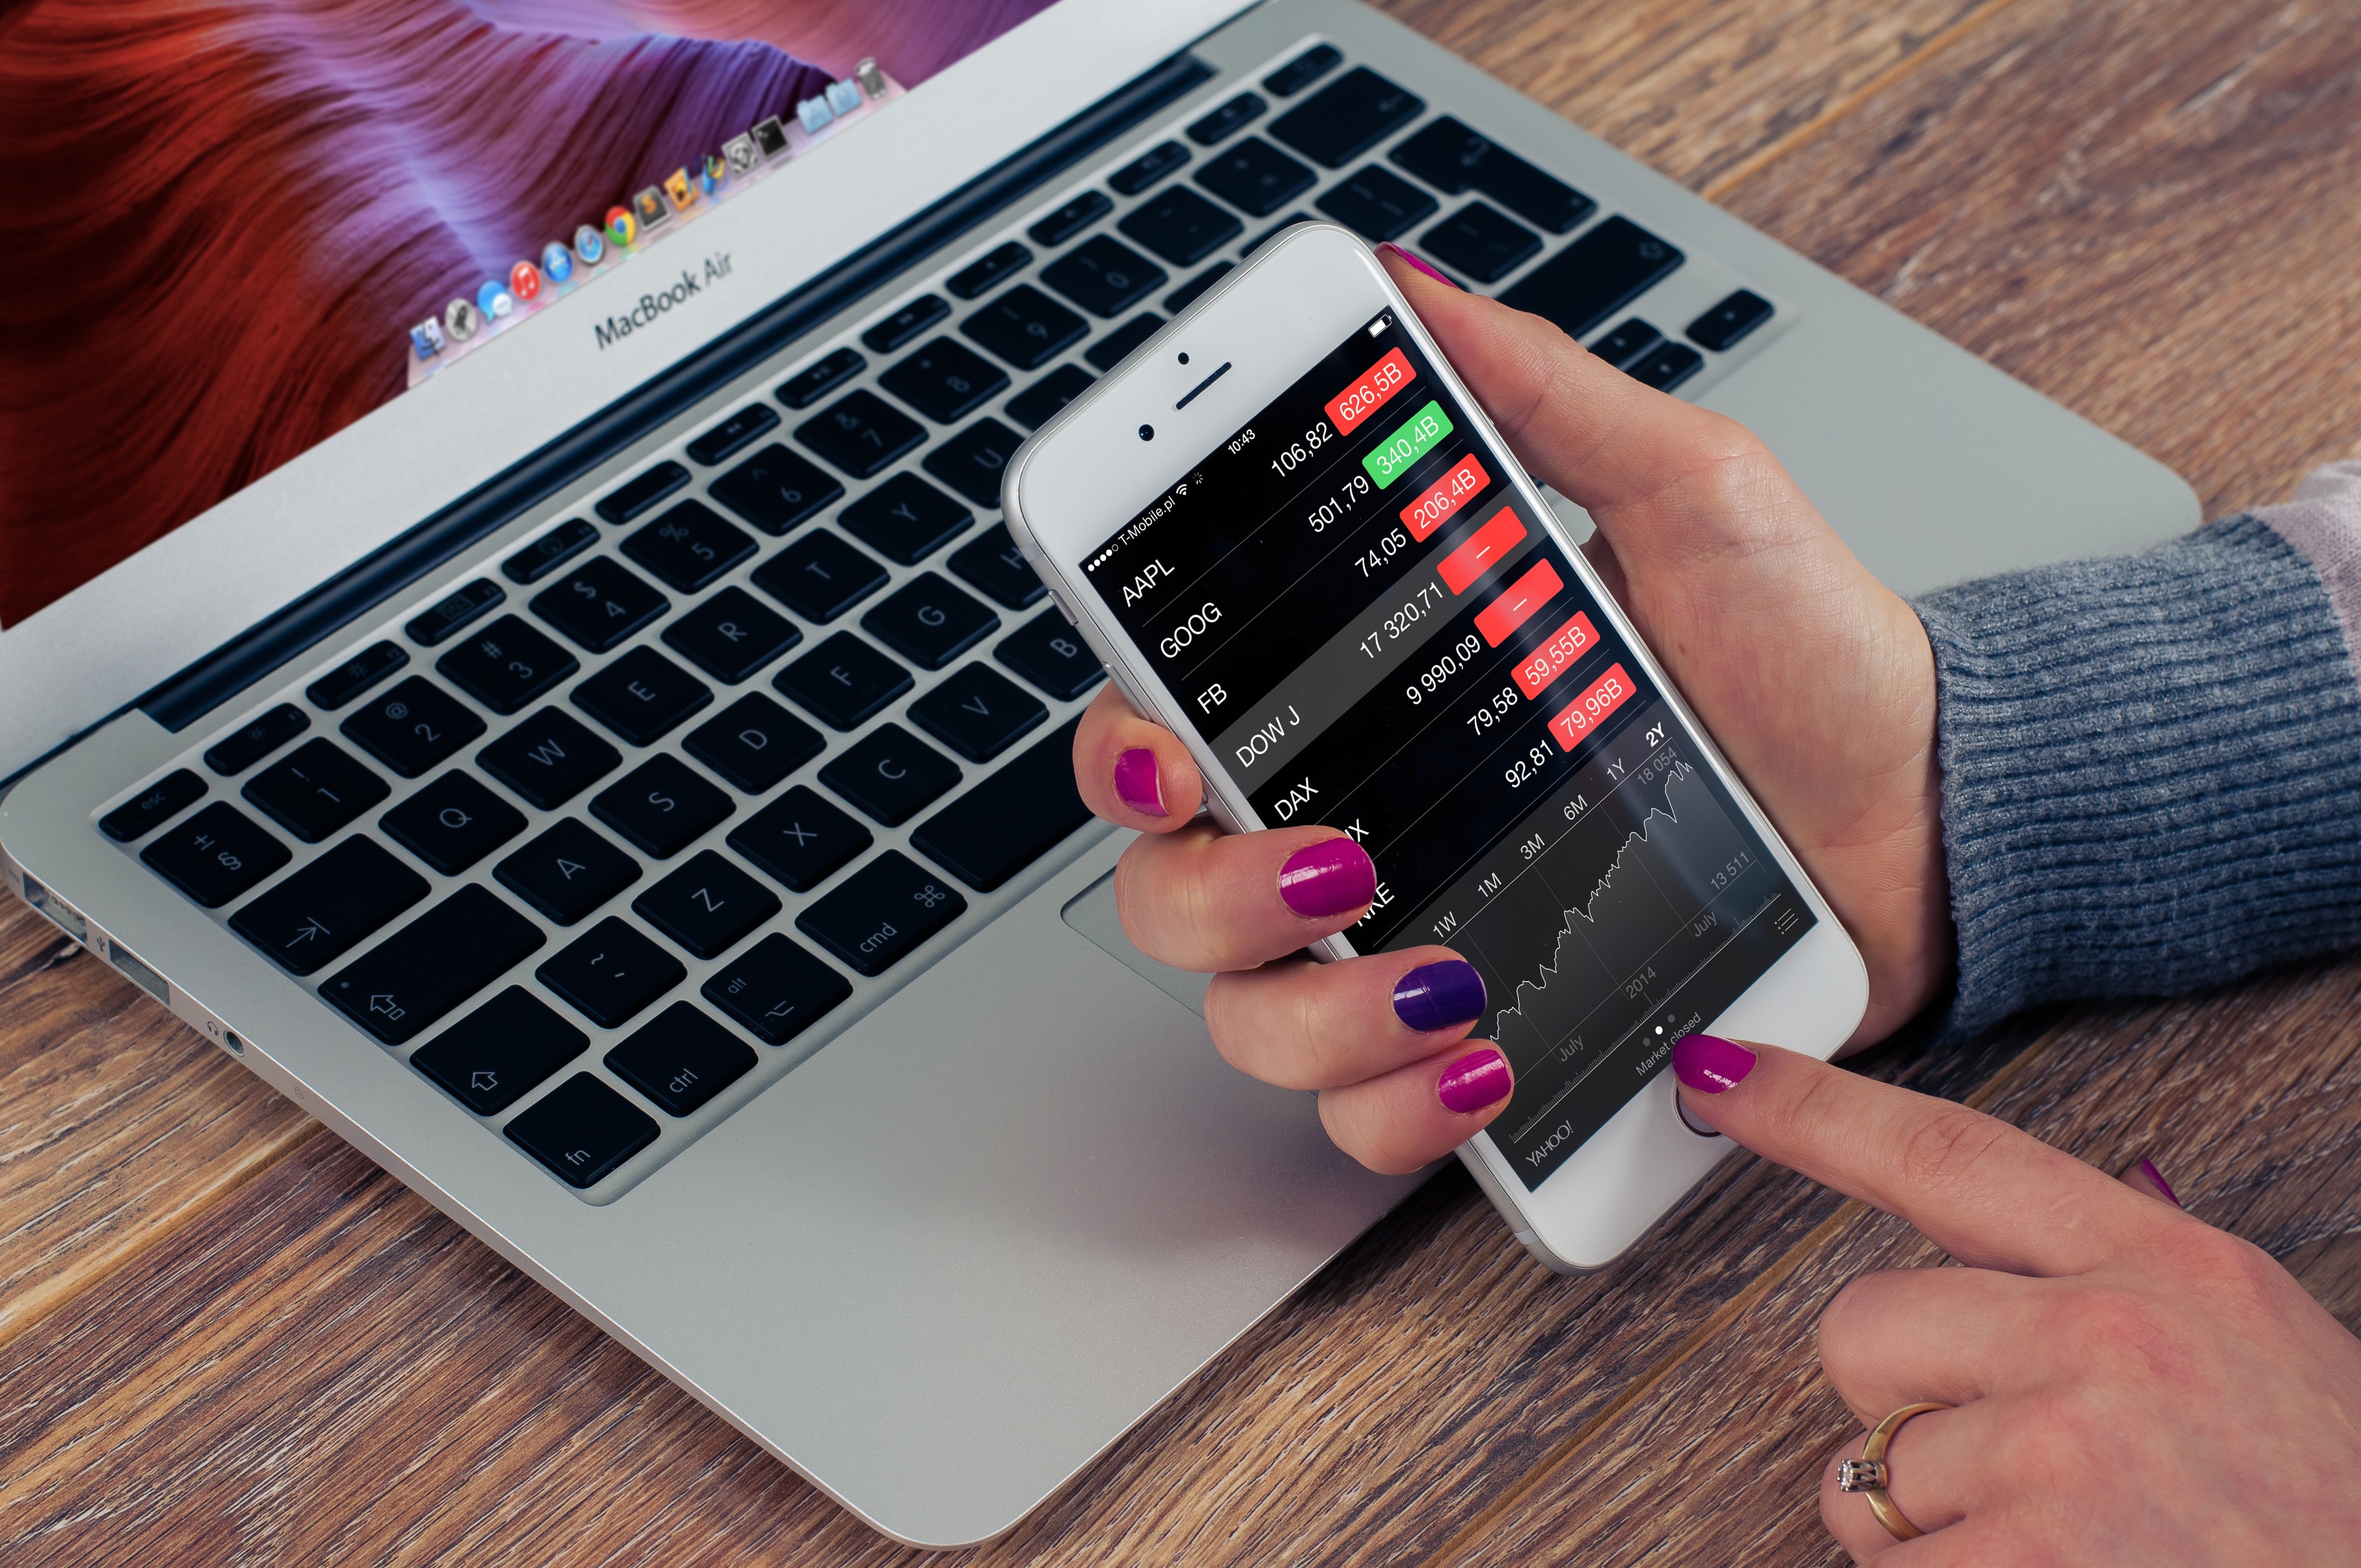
x,y
636,812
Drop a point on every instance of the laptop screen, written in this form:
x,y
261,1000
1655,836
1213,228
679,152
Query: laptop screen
x,y
253,221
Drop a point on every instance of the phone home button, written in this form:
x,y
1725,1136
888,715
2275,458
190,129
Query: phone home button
x,y
1680,1109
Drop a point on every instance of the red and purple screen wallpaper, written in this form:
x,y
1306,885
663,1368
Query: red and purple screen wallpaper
x,y
230,212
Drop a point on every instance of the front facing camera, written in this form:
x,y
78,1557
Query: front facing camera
x,y
1146,433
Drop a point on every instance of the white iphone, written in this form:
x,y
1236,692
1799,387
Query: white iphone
x,y
1297,543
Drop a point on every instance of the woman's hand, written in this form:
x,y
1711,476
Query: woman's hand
x,y
2130,1385
1816,680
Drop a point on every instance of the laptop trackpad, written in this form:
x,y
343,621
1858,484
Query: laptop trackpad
x,y
1093,912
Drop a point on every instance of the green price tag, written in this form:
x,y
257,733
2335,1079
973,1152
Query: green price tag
x,y
1405,446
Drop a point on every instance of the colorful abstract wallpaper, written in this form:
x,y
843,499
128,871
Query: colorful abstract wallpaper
x,y
228,212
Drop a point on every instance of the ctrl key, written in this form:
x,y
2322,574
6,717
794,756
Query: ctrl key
x,y
431,965
582,1130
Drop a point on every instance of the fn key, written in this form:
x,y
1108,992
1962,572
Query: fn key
x,y
582,1130
881,911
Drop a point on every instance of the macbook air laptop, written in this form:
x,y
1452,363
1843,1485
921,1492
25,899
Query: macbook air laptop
x,y
506,629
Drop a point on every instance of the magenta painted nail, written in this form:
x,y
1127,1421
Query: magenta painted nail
x,y
1327,879
1709,1063
1136,784
1475,1081
2149,1169
1422,266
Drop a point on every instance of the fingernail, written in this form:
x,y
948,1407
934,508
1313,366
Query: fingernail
x,y
2149,1169
1136,784
1475,1081
1328,879
1437,996
1711,1064
1422,266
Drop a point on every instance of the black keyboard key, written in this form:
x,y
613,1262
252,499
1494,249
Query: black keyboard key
x,y
566,871
861,433
609,972
881,913
599,604
706,905
681,1059
734,434
843,681
1595,277
1180,226
732,634
323,911
945,381
507,664
994,265
1115,346
413,726
453,823
582,1130
929,621
1721,327
1103,276
1626,343
1026,327
775,488
429,966
1256,178
1666,366
906,519
690,546
978,712
640,696
642,492
1032,407
1347,118
994,563
490,1058
455,609
1225,120
1011,819
1482,242
1149,167
549,552
315,789
753,743
1188,293
973,461
820,576
1376,203
799,839
244,747
1072,219
1455,161
166,797
824,375
360,672
549,758
662,806
776,989
215,855
906,323
1304,70
891,774
1050,653
1273,232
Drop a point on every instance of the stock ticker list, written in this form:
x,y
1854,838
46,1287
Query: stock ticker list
x,y
1378,634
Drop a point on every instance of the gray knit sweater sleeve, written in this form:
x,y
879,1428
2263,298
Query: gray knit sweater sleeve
x,y
2152,763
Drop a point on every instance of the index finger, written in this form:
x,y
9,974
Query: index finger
x,y
1988,1194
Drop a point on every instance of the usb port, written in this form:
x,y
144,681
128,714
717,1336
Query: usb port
x,y
68,918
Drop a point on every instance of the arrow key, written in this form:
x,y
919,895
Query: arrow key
x,y
495,1054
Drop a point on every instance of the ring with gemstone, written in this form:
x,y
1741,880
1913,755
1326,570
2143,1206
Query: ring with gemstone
x,y
1869,1476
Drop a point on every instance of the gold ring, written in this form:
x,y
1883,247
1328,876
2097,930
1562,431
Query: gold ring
x,y
1867,1477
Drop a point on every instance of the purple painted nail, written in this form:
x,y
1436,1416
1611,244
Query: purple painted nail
x,y
1437,996
1422,266
2149,1169
1475,1081
1711,1064
1136,784
1327,879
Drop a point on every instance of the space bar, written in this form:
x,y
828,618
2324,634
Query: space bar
x,y
1012,819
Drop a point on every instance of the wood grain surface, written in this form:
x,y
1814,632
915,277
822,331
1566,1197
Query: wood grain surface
x,y
225,1337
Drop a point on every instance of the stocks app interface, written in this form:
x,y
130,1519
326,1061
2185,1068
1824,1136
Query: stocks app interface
x,y
1376,633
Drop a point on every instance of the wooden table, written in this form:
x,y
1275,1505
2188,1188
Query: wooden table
x,y
223,1336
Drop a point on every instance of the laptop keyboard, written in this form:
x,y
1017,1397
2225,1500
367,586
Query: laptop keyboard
x,y
680,793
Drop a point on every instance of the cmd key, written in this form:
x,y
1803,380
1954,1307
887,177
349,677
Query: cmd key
x,y
431,965
881,913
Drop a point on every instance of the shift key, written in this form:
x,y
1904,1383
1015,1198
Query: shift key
x,y
431,965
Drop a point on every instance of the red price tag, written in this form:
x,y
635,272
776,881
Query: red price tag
x,y
1517,603
1432,510
1554,658
1586,712
1365,397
